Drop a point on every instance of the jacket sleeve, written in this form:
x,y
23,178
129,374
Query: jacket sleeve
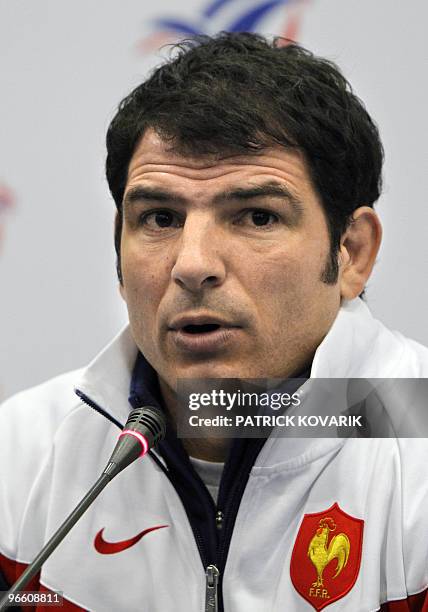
x,y
18,468
29,422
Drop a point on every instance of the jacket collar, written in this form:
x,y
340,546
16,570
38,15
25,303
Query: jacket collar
x,y
106,380
356,346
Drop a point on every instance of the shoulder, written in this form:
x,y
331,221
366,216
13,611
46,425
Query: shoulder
x,y
37,412
397,355
414,356
29,422
360,346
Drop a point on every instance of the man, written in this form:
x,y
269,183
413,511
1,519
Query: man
x,y
244,175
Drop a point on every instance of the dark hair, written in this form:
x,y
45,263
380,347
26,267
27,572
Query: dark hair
x,y
241,93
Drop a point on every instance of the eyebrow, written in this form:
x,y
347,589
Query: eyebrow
x,y
264,190
150,194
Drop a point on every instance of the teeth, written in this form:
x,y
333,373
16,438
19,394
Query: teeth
x,y
200,329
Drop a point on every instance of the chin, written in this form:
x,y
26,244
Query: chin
x,y
214,370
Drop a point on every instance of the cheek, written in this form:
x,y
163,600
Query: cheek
x,y
143,281
282,272
285,282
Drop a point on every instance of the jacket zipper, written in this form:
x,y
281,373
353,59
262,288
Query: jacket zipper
x,y
219,517
211,585
225,520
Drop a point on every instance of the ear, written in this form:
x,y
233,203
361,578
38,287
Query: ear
x,y
117,243
122,291
358,250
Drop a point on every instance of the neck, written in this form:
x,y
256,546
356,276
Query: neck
x,y
206,448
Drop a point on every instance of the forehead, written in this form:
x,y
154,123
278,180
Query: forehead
x,y
154,162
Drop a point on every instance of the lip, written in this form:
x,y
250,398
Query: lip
x,y
204,342
199,319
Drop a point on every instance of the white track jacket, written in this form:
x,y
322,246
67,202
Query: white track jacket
x,y
331,523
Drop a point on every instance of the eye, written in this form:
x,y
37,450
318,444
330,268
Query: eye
x,y
258,218
261,217
157,220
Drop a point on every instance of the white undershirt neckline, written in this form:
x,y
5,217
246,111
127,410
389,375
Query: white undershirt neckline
x,y
210,473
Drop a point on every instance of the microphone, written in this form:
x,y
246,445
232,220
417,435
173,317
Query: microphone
x,y
144,428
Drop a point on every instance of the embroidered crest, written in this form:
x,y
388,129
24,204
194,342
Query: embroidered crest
x,y
326,556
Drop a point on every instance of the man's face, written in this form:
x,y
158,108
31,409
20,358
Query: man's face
x,y
222,260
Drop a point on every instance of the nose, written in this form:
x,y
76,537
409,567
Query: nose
x,y
199,263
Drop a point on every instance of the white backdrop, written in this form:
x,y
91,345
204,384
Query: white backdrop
x,y
64,66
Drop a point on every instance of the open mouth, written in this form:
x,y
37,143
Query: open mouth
x,y
202,337
205,328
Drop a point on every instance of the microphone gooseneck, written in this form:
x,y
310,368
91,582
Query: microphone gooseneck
x,y
144,428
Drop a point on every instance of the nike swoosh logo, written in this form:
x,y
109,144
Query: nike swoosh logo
x,y
110,548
